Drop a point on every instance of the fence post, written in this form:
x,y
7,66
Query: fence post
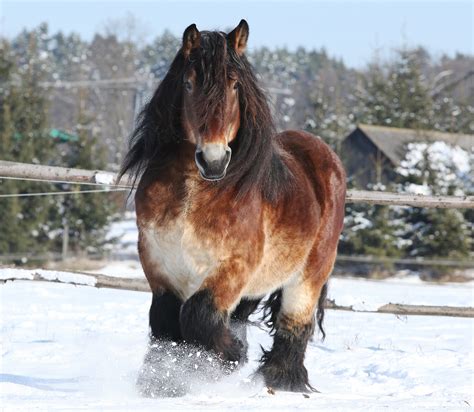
x,y
65,245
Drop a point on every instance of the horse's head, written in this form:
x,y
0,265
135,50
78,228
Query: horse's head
x,y
211,99
210,107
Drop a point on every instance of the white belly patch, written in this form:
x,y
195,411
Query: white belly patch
x,y
178,257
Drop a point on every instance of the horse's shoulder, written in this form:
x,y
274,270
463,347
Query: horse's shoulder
x,y
148,188
158,197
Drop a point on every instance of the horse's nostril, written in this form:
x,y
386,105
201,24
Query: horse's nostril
x,y
228,154
200,158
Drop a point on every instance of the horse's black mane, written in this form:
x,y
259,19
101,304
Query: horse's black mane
x,y
255,163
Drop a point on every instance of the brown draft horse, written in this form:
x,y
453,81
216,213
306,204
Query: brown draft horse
x,y
228,211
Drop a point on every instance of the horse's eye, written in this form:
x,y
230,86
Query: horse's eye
x,y
188,86
236,85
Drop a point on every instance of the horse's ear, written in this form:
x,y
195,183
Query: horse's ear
x,y
239,36
191,39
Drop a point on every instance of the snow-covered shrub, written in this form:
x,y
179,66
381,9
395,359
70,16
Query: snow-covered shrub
x,y
436,168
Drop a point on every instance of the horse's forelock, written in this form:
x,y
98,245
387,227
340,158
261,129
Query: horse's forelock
x,y
210,64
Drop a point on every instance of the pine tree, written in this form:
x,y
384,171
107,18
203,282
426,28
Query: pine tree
x,y
372,231
431,169
23,138
330,119
397,95
36,224
10,207
84,216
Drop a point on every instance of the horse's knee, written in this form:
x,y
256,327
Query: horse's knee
x,y
282,367
164,316
202,323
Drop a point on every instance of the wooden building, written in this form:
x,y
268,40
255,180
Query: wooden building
x,y
371,153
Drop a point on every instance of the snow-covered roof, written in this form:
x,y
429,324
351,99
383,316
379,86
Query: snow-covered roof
x,y
393,141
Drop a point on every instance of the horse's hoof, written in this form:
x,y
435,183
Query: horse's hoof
x,y
278,377
234,351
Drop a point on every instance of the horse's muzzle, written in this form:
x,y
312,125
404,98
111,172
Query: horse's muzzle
x,y
212,160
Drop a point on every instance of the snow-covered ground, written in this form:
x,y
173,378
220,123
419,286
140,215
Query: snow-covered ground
x,y
67,347
123,269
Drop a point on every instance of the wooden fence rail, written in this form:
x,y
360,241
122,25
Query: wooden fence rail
x,y
57,174
141,285
97,177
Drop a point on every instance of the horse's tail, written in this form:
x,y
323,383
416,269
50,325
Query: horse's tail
x,y
272,306
320,311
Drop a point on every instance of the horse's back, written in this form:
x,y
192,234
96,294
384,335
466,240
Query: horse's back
x,y
313,152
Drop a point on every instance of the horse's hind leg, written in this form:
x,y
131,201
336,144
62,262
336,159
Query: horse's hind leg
x,y
282,367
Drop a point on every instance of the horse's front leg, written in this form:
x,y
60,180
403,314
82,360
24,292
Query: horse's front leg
x,y
164,316
205,316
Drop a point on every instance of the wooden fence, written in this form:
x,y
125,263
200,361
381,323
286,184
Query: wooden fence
x,y
141,285
103,178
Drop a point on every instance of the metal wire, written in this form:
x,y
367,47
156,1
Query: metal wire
x,y
62,181
64,192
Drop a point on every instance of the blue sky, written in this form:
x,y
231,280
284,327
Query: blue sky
x,y
352,30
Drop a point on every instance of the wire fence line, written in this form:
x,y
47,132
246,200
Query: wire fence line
x,y
60,192
31,179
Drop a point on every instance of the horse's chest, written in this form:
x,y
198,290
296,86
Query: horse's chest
x,y
179,257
